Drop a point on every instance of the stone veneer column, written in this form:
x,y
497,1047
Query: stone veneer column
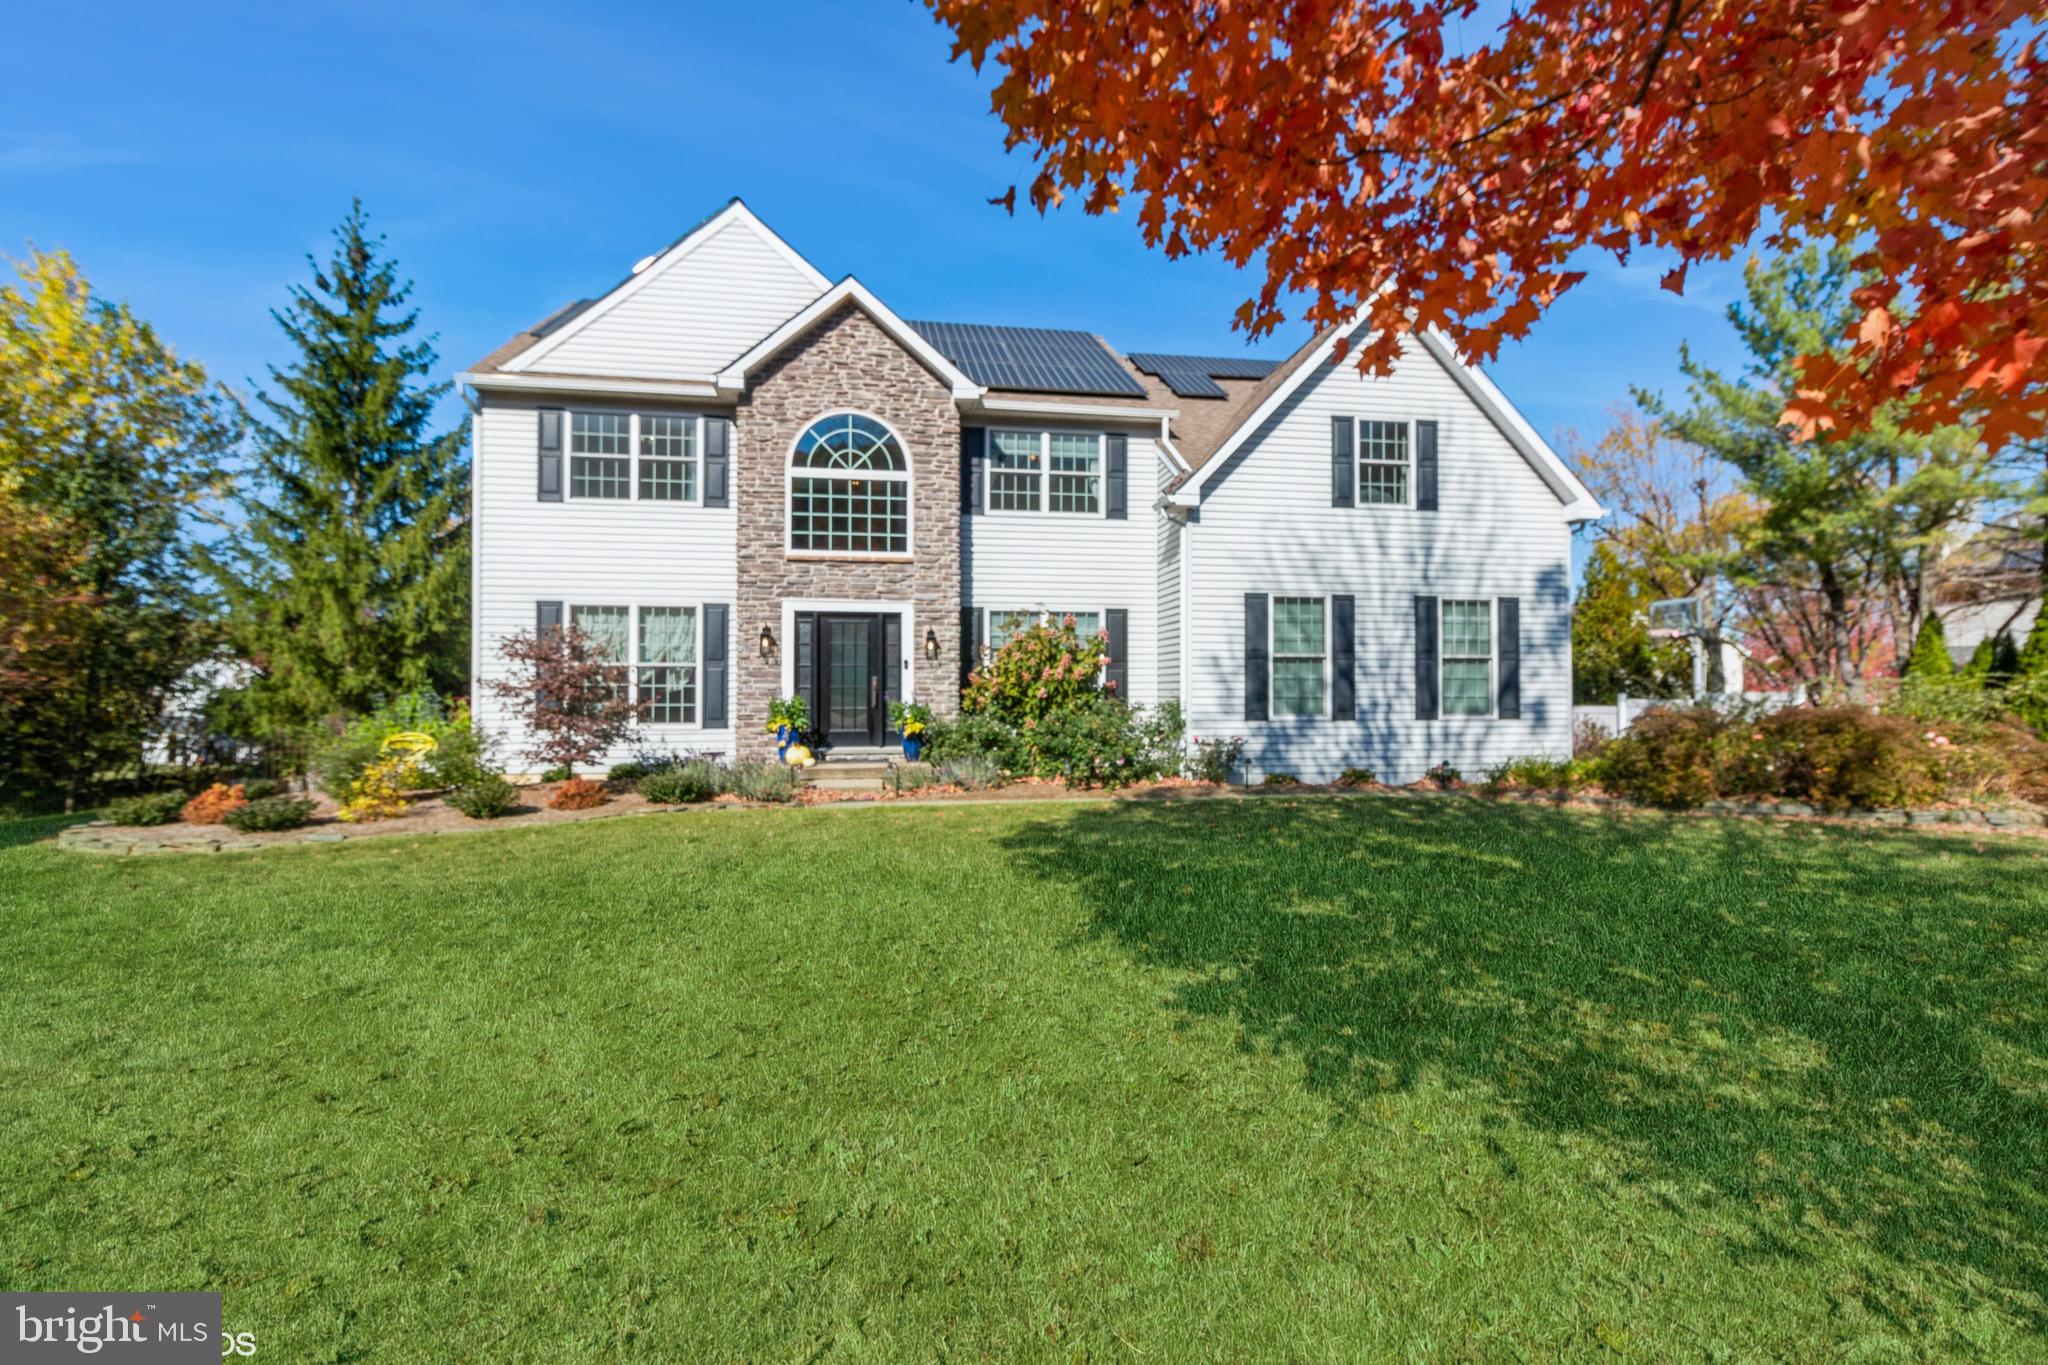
x,y
845,363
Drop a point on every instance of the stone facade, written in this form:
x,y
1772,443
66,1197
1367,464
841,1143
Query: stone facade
x,y
845,363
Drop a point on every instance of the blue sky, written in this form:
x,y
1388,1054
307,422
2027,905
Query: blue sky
x,y
519,156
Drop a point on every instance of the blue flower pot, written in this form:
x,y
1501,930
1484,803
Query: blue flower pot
x,y
784,737
913,745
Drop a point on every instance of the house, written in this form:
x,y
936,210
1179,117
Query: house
x,y
751,481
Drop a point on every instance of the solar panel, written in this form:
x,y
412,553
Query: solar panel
x,y
1195,376
1038,359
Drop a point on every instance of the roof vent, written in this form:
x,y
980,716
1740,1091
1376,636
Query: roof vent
x,y
643,263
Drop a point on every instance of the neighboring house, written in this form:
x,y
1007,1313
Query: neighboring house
x,y
751,481
1965,625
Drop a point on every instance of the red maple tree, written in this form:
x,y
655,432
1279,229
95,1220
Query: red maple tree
x,y
572,699
1397,155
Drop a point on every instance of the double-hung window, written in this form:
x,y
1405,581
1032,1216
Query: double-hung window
x,y
1045,471
1467,658
1005,625
1301,655
649,654
605,447
668,457
1383,463
600,455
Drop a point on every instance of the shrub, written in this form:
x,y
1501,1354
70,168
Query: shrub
x,y
559,773
154,808
1357,777
1039,672
485,797
457,750
1102,742
1839,757
1216,760
1946,701
579,793
1537,772
632,770
379,792
269,813
263,788
1667,758
978,737
970,772
695,781
1443,775
209,806
763,781
1280,780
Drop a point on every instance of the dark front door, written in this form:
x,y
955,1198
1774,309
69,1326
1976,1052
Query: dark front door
x,y
853,665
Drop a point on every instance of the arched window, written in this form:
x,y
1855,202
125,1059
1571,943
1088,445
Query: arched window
x,y
849,488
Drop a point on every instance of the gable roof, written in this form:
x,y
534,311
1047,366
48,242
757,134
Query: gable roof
x,y
848,292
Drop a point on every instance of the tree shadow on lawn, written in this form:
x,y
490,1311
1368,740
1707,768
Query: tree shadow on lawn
x,y
1826,1033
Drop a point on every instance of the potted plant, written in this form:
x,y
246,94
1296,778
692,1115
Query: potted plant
x,y
913,721
788,718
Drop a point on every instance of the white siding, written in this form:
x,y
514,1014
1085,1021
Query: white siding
x,y
1012,560
1169,594
1267,526
692,315
628,553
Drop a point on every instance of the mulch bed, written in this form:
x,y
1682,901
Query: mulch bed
x,y
430,815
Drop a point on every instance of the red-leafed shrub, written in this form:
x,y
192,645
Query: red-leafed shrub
x,y
211,805
579,793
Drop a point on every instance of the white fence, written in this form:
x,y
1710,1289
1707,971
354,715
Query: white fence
x,y
1627,710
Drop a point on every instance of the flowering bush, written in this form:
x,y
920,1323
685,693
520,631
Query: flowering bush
x,y
795,712
379,792
1039,672
910,719
1216,760
211,805
450,749
579,793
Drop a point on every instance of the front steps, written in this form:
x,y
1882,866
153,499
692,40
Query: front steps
x,y
847,774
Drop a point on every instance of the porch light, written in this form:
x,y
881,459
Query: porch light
x,y
767,643
931,644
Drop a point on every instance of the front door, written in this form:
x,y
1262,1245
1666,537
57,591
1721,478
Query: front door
x,y
853,680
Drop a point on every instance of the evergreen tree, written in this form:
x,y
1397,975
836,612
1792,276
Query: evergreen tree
x,y
1977,671
1612,650
1930,652
2005,660
2033,656
109,442
350,581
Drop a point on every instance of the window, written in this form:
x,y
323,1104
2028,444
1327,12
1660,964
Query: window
x,y
657,662
849,489
1005,625
1382,464
1015,467
608,631
668,457
599,446
1298,656
667,676
603,448
1045,471
1467,658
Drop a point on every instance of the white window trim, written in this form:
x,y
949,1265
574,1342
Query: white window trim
x,y
1443,656
633,664
1358,463
1273,655
988,615
790,474
1044,474
632,457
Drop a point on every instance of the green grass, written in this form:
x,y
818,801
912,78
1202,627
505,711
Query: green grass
x,y
1300,1078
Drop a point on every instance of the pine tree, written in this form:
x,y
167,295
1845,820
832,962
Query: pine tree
x,y
1930,652
2005,660
1612,649
350,581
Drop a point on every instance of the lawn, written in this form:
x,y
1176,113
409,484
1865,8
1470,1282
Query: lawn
x,y
1295,1078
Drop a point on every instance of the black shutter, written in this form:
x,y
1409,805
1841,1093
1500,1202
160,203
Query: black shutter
x,y
1117,622
1343,658
718,461
1257,675
1425,466
1425,658
970,643
551,420
1510,611
717,668
973,463
807,663
1343,462
1116,460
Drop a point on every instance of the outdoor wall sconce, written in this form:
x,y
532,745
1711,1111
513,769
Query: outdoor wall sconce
x,y
931,644
767,643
